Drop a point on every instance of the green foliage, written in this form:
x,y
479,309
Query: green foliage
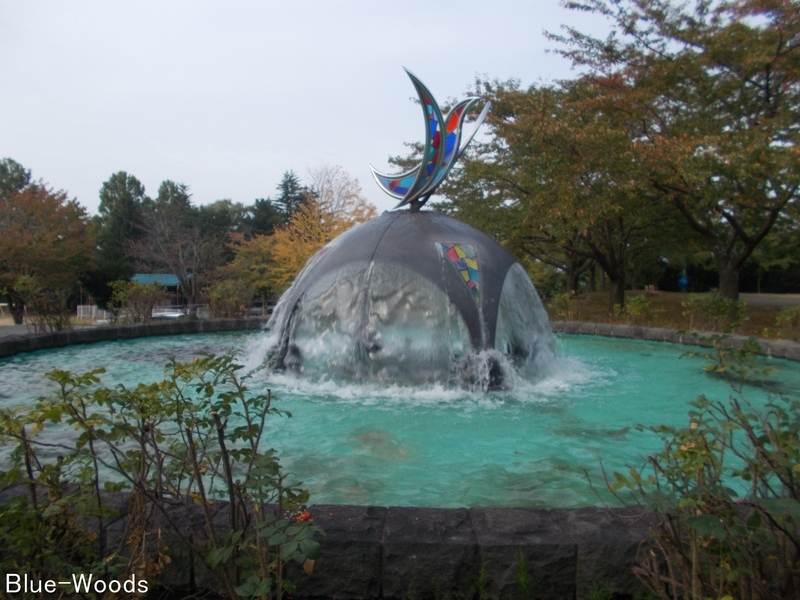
x,y
13,177
175,445
600,592
45,309
230,298
713,312
135,300
712,92
639,309
291,196
788,322
727,493
481,585
116,228
565,306
265,216
524,579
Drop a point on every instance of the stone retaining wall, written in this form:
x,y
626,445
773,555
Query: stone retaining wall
x,y
12,345
777,348
374,552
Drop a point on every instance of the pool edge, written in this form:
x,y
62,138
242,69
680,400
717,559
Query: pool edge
x,y
17,344
785,349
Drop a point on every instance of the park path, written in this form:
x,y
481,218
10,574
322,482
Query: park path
x,y
771,299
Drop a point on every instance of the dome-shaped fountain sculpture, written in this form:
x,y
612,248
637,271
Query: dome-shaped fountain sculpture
x,y
414,295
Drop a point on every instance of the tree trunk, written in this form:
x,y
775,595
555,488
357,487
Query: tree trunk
x,y
617,290
572,279
17,307
593,278
728,281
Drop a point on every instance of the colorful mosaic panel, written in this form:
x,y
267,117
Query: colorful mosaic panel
x,y
400,185
464,258
434,122
453,128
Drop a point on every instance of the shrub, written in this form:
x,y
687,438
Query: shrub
x,y
45,309
565,306
712,312
230,298
136,300
788,322
639,309
175,445
727,495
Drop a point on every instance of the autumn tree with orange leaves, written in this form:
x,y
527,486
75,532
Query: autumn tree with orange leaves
x,y
44,246
335,205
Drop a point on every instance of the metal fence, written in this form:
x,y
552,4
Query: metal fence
x,y
87,311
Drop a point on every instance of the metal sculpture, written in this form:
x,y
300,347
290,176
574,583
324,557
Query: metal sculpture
x,y
443,146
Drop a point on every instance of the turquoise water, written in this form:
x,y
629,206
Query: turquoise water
x,y
431,446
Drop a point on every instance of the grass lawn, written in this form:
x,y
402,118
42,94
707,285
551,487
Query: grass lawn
x,y
671,310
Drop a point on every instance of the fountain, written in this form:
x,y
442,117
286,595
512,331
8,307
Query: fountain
x,y
415,296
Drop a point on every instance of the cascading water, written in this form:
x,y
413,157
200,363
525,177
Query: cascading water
x,y
412,297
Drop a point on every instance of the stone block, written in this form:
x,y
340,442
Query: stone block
x,y
349,565
428,552
551,558
608,542
603,329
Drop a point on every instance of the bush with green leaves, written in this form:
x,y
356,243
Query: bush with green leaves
x,y
135,301
565,306
788,322
726,491
177,446
640,309
45,309
713,312
230,298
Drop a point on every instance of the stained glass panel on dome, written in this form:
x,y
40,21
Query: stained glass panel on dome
x,y
464,258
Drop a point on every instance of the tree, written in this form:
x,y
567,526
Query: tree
x,y
175,239
43,244
717,88
13,178
336,206
265,216
118,226
252,264
564,174
340,197
291,195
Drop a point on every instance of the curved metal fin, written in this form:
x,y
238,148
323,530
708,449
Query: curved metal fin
x,y
432,155
475,127
454,122
397,186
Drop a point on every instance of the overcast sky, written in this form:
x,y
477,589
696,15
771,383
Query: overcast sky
x,y
226,96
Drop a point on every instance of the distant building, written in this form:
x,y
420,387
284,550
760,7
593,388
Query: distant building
x,y
167,280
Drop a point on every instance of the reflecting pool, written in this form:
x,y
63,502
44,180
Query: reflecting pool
x,y
427,445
